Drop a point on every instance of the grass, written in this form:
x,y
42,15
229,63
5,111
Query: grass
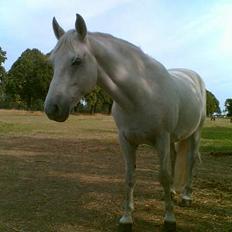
x,y
66,177
217,136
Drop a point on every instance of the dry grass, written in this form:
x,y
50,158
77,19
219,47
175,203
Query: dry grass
x,y
66,177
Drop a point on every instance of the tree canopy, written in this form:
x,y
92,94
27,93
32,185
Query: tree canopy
x,y
29,78
26,84
2,72
2,60
228,106
98,101
212,104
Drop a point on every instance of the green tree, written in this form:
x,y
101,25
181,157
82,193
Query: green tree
x,y
2,76
2,60
92,100
98,101
28,79
106,101
228,106
212,104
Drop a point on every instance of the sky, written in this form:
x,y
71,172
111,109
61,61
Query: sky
x,y
180,34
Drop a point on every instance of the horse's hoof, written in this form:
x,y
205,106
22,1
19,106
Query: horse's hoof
x,y
185,202
169,226
125,227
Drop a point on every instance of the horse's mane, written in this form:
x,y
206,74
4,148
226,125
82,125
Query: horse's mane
x,y
116,40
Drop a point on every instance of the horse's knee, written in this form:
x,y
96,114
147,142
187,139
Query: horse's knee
x,y
130,183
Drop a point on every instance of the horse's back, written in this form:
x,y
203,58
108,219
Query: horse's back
x,y
187,74
189,80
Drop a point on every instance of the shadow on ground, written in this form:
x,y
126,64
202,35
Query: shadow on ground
x,y
57,185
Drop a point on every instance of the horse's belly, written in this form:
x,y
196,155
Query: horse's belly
x,y
138,127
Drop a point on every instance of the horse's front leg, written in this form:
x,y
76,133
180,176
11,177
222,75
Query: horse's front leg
x,y
129,152
173,162
163,148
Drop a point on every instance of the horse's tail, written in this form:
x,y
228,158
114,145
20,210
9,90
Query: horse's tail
x,y
181,166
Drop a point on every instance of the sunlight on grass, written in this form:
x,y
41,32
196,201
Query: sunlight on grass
x,y
217,136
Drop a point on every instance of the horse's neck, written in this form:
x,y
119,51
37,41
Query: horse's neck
x,y
116,67
125,72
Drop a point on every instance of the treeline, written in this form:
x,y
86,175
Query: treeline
x,y
26,84
212,105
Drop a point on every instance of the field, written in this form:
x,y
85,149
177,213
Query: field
x,y
66,177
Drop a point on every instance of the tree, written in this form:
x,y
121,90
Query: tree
x,y
98,101
228,106
2,74
28,79
212,104
106,101
92,100
2,60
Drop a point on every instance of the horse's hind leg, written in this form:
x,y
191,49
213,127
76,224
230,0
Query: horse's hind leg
x,y
192,155
129,152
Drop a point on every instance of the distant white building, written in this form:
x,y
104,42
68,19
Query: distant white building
x,y
216,114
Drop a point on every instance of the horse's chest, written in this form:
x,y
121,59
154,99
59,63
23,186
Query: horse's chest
x,y
139,127
138,136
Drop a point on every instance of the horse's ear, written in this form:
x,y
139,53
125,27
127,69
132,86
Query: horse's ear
x,y
80,27
58,30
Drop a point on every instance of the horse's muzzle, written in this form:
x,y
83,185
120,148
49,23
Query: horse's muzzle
x,y
56,112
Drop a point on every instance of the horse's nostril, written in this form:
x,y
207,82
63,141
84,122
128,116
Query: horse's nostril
x,y
55,109
57,112
51,109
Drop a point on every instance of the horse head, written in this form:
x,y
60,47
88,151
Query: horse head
x,y
75,70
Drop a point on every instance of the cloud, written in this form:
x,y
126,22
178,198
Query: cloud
x,y
25,12
27,23
209,29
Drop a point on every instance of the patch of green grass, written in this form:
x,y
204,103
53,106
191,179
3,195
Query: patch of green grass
x,y
217,136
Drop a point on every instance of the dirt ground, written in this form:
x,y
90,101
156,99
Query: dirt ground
x,y
51,182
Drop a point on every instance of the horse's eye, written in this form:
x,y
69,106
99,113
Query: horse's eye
x,y
76,61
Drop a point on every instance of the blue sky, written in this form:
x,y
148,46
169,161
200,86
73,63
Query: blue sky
x,y
190,34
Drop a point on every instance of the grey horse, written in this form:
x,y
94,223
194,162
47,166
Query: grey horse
x,y
152,105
